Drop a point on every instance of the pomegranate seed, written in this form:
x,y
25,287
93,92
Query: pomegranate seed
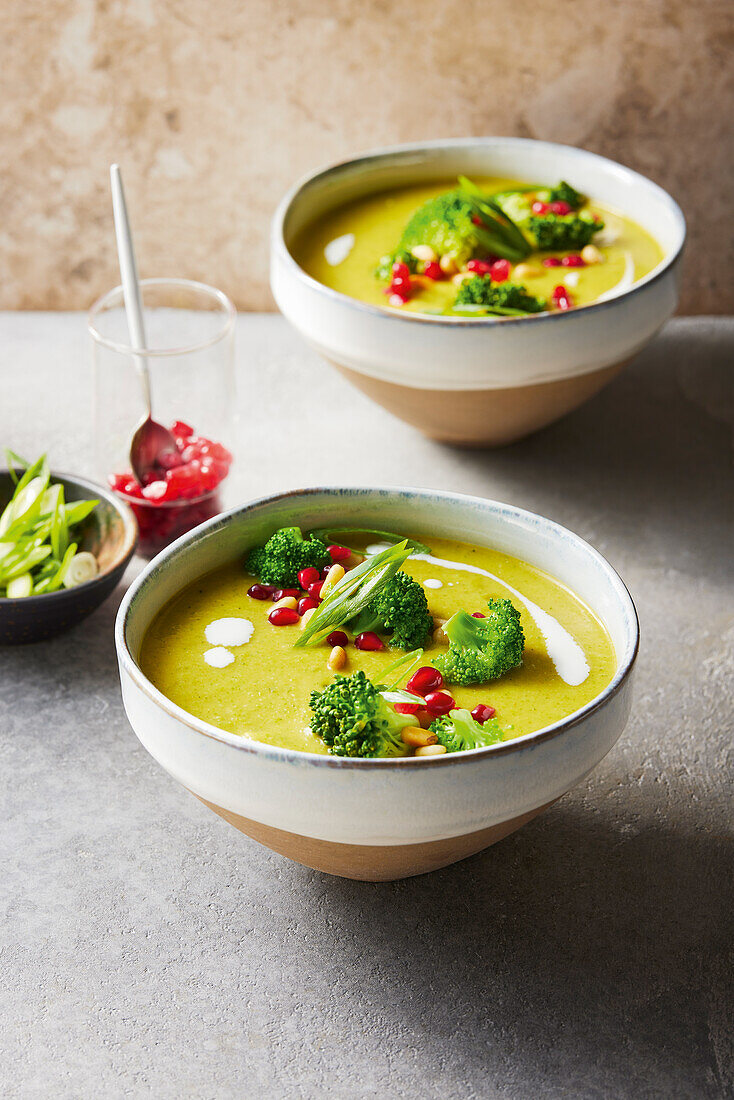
x,y
396,300
476,220
551,261
281,593
478,615
401,285
308,576
337,637
155,490
539,207
433,271
314,590
306,604
261,591
338,553
169,460
439,702
283,616
479,267
573,260
482,713
408,708
369,641
425,679
562,298
500,271
560,207
180,427
424,717
400,271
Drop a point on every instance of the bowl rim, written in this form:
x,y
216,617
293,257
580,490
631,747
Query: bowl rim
x,y
281,250
299,757
130,539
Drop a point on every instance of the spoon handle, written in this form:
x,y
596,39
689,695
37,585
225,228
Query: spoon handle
x,y
129,277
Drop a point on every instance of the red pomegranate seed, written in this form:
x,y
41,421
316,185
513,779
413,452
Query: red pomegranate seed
x,y
314,590
261,591
408,708
573,260
155,491
476,220
169,460
396,300
560,207
425,679
180,427
400,271
439,702
500,271
281,593
478,615
401,285
306,604
482,713
479,267
551,261
369,641
283,616
562,300
424,718
338,553
308,576
433,271
337,637
539,207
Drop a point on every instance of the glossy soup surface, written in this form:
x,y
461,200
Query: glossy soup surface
x,y
264,693
377,221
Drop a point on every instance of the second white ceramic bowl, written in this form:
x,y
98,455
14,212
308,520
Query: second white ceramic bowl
x,y
377,819
477,381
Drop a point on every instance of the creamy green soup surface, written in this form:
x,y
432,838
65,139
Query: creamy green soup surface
x,y
343,249
263,689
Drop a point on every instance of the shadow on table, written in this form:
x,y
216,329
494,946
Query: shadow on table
x,y
592,956
654,447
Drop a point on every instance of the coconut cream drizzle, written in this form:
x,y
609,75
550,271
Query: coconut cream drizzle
x,y
564,651
231,631
219,657
628,278
337,250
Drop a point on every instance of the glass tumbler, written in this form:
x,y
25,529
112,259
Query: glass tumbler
x,y
189,333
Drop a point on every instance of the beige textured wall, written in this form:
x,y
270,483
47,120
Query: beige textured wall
x,y
213,107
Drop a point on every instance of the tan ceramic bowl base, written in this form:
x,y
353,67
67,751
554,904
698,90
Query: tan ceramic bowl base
x,y
373,862
483,418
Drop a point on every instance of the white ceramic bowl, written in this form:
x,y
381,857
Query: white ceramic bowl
x,y
478,381
378,819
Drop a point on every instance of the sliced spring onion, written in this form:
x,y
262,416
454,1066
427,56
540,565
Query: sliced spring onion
x,y
353,592
342,534
20,586
80,568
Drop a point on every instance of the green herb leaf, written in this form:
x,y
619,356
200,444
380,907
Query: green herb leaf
x,y
342,534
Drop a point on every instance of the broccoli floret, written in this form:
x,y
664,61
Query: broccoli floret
x,y
564,192
384,267
354,719
457,731
562,232
503,298
284,555
482,649
400,607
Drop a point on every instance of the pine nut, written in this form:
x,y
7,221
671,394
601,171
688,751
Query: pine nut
x,y
306,616
526,271
287,601
430,750
337,657
423,252
333,577
439,638
413,735
460,277
448,264
590,254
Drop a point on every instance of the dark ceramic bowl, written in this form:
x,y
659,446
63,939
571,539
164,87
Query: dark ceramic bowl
x,y
110,533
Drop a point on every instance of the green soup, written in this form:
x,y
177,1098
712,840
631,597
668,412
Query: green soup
x,y
263,693
627,252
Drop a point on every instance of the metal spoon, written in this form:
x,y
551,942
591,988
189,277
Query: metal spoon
x,y
150,441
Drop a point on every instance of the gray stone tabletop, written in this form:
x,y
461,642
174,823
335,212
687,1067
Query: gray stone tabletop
x,y
148,949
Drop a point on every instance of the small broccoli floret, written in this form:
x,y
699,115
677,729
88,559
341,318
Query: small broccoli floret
x,y
482,649
401,608
384,267
457,731
564,192
562,232
354,719
506,299
284,554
